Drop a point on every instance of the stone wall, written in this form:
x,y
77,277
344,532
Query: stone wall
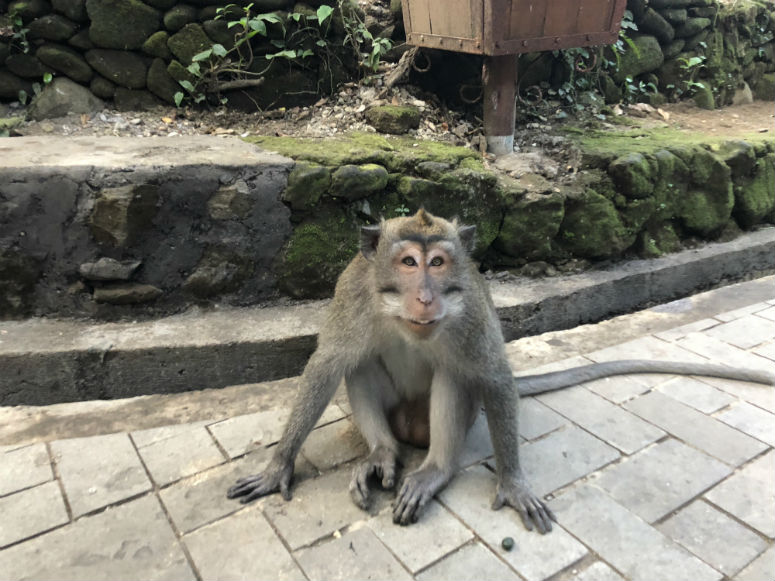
x,y
135,53
138,65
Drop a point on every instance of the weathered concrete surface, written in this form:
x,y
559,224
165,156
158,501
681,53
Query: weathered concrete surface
x,y
48,361
644,506
198,217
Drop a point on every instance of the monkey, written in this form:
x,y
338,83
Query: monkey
x,y
413,331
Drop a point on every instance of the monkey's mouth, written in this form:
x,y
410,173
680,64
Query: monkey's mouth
x,y
422,323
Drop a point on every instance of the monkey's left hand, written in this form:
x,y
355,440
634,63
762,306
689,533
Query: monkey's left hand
x,y
276,476
516,493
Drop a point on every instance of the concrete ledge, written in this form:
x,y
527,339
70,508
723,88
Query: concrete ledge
x,y
47,361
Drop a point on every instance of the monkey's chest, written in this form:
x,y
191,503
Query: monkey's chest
x,y
409,369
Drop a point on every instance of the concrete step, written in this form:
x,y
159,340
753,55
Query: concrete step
x,y
45,361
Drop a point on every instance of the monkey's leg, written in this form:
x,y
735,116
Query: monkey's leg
x,y
501,404
452,407
317,386
371,393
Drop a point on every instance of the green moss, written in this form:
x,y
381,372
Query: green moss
x,y
358,181
592,228
530,225
755,197
397,154
318,251
306,184
633,175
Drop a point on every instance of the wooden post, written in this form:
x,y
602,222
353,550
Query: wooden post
x,y
499,78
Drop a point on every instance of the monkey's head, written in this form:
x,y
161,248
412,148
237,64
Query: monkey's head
x,y
421,269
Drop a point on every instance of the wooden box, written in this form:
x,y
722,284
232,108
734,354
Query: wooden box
x,y
500,27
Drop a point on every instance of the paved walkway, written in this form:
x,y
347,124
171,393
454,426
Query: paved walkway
x,y
651,477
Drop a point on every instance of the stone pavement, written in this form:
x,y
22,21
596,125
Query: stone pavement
x,y
651,477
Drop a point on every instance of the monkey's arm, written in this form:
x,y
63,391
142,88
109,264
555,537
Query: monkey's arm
x,y
501,404
317,386
542,383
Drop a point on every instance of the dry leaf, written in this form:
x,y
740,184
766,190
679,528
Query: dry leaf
x,y
167,120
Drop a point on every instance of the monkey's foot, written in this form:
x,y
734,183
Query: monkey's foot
x,y
417,489
516,493
381,463
275,477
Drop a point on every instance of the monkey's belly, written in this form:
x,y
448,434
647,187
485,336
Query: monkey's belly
x,y
410,422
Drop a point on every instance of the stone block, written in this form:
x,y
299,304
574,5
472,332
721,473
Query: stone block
x,y
745,332
697,528
131,541
742,494
658,480
320,506
109,18
31,512
356,555
761,568
534,556
563,457
23,467
751,420
189,452
419,545
696,429
605,420
695,393
98,471
471,563
121,214
109,269
625,541
241,546
598,571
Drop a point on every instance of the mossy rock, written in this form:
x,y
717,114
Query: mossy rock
x,y
592,228
156,45
160,83
319,249
178,16
740,156
353,182
65,60
221,270
672,181
645,58
658,239
633,175
396,119
52,27
306,184
121,24
755,197
706,208
188,42
529,226
124,68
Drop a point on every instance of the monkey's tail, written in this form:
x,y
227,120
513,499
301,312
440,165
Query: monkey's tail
x,y
545,382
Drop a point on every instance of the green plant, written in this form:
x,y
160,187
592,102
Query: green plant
x,y
36,88
402,210
19,42
295,39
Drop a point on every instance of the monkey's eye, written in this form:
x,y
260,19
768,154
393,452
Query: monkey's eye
x,y
409,261
437,261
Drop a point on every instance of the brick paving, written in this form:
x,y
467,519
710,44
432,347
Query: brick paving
x,y
651,477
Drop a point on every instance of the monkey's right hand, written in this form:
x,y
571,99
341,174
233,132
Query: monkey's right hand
x,y
276,476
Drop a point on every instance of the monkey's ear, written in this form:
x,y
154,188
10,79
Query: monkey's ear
x,y
467,236
369,240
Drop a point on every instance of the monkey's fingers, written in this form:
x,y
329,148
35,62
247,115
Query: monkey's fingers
x,y
408,504
244,486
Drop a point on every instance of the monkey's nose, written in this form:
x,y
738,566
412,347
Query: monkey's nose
x,y
425,297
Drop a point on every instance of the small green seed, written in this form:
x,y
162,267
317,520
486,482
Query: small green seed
x,y
507,543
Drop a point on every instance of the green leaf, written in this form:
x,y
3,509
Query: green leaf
x,y
47,77
258,26
219,50
205,54
306,53
187,86
288,54
194,69
320,42
178,98
324,11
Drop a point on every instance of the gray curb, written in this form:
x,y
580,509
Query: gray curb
x,y
48,361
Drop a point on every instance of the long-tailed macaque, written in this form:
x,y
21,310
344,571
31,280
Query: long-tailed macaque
x,y
413,331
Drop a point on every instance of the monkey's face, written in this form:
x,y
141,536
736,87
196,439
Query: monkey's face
x,y
419,266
